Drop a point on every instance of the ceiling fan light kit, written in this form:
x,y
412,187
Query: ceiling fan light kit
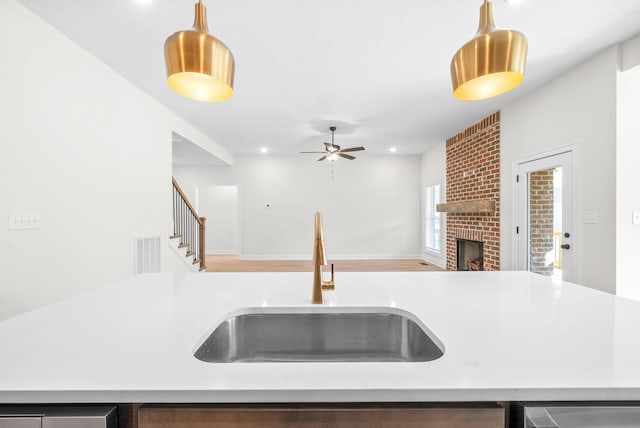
x,y
332,151
199,66
490,64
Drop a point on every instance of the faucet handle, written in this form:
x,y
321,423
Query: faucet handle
x,y
328,285
331,284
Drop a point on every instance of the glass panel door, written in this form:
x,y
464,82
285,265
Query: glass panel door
x,y
544,231
545,221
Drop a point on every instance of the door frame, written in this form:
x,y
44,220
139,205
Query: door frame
x,y
572,150
238,211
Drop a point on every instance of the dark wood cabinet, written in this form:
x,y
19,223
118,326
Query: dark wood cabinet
x,y
462,415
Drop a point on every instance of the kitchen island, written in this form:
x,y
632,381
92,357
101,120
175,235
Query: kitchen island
x,y
507,336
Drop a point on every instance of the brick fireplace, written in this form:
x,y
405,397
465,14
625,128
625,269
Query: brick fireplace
x,y
469,255
473,191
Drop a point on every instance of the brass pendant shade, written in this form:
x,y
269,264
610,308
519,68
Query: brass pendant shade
x,y
490,64
199,66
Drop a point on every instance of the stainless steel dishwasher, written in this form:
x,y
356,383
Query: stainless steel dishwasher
x,y
576,415
58,417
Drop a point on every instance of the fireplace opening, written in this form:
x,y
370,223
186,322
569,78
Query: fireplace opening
x,y
469,254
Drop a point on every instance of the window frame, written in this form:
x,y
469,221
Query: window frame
x,y
432,218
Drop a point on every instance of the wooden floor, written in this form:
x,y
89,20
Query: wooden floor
x,y
225,263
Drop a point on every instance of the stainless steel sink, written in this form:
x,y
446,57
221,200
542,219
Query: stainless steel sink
x,y
328,334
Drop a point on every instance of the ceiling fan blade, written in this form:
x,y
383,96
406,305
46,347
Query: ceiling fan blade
x,y
322,158
352,149
329,147
346,156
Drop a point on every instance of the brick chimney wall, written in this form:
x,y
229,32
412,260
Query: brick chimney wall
x,y
473,173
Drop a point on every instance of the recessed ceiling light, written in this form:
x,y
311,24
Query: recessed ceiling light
x,y
393,149
264,150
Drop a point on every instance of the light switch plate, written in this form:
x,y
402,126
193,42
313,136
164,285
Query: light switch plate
x,y
23,221
635,217
590,217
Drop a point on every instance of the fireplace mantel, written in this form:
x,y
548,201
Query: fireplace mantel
x,y
481,206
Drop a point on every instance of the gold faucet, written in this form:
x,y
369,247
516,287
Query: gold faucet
x,y
319,260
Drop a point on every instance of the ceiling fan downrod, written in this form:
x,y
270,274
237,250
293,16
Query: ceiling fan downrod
x,y
333,130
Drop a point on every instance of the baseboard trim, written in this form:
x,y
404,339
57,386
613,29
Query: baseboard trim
x,y
434,261
331,257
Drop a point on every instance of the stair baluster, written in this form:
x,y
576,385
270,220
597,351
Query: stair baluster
x,y
189,225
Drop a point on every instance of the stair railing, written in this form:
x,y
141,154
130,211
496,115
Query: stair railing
x,y
188,226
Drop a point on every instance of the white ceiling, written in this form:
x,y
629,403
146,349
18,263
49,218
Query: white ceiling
x,y
376,69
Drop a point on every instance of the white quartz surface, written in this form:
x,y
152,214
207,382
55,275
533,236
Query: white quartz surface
x,y
507,336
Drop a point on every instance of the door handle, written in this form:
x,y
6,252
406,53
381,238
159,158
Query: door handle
x,y
565,246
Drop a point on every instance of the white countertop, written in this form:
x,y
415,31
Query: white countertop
x,y
507,336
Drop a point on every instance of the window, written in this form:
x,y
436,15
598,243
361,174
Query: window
x,y
432,218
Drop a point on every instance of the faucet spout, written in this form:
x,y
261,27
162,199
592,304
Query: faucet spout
x,y
319,260
319,253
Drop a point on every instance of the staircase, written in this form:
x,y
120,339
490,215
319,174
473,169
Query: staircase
x,y
188,230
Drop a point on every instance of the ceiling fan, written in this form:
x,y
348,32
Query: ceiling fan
x,y
332,150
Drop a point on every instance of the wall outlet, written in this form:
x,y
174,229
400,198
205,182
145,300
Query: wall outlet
x,y
23,221
635,217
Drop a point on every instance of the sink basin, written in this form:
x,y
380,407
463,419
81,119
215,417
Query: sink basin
x,y
325,334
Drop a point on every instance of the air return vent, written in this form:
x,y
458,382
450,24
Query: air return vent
x,y
147,254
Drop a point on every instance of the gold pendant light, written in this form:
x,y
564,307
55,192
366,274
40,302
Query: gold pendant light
x,y
199,66
491,63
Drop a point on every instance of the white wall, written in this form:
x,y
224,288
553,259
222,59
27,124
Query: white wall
x,y
630,53
628,234
434,171
578,107
86,150
219,205
371,208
